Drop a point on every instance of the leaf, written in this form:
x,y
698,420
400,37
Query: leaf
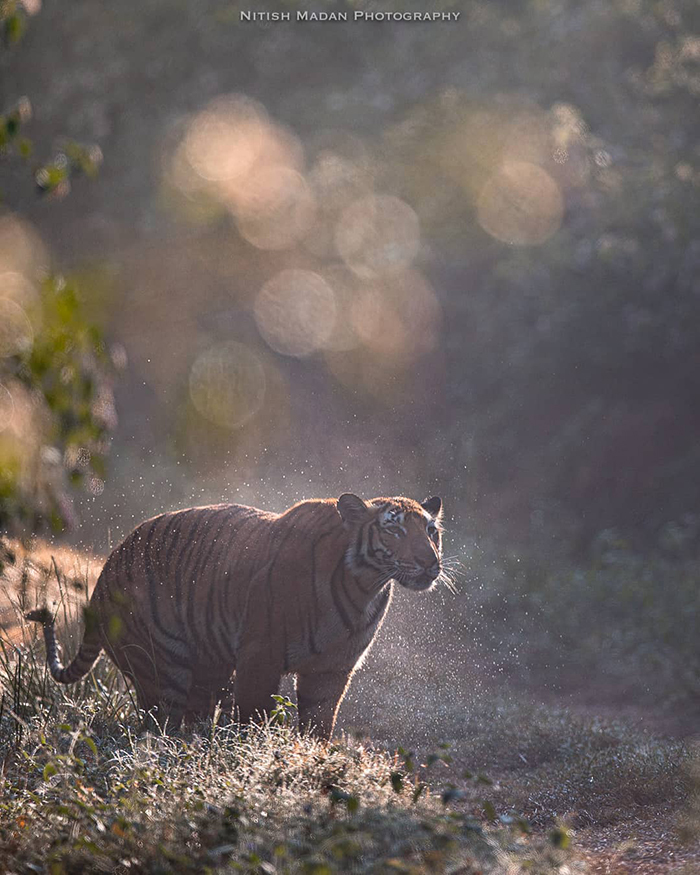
x,y
25,147
14,28
90,743
396,781
49,771
451,794
490,811
408,759
560,838
418,792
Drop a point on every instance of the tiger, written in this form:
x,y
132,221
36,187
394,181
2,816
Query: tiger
x,y
212,606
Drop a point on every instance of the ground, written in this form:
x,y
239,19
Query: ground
x,y
617,778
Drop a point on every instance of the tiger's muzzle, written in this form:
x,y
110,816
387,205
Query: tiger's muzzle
x,y
423,579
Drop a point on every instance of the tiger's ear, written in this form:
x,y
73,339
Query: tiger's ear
x,y
352,509
433,506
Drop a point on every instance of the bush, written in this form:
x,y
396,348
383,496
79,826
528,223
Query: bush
x,y
55,381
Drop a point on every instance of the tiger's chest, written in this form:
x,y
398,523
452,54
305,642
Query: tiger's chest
x,y
331,640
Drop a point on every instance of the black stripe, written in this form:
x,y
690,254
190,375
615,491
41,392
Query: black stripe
x,y
378,611
152,590
179,573
225,591
163,569
170,682
177,517
305,621
347,592
165,563
197,575
314,589
359,543
235,534
217,582
277,550
336,600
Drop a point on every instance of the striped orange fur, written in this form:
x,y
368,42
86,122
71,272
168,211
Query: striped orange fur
x,y
218,603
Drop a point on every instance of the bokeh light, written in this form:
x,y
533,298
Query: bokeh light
x,y
343,337
296,312
224,141
232,158
21,249
398,318
32,6
521,204
338,180
527,136
275,208
341,172
18,288
393,323
7,408
16,333
227,384
378,234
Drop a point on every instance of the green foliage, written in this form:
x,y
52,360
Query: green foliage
x,y
268,798
13,21
55,377
84,796
560,837
628,617
62,375
12,140
283,712
53,177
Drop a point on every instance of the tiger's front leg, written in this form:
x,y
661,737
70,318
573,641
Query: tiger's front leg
x,y
318,698
255,683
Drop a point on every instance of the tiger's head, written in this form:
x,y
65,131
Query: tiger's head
x,y
398,538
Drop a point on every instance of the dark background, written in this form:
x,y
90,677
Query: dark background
x,y
552,392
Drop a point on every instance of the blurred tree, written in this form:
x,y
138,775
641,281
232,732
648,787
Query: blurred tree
x,y
562,380
53,176
56,406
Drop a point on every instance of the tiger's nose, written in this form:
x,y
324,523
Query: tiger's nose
x,y
430,566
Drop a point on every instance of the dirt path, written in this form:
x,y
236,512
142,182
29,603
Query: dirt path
x,y
47,575
647,847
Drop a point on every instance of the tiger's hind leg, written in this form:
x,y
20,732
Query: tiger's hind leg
x,y
162,681
164,711
210,689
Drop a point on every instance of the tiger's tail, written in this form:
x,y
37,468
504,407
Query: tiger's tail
x,y
90,649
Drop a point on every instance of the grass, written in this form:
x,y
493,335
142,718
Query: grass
x,y
83,790
83,793
630,618
79,798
